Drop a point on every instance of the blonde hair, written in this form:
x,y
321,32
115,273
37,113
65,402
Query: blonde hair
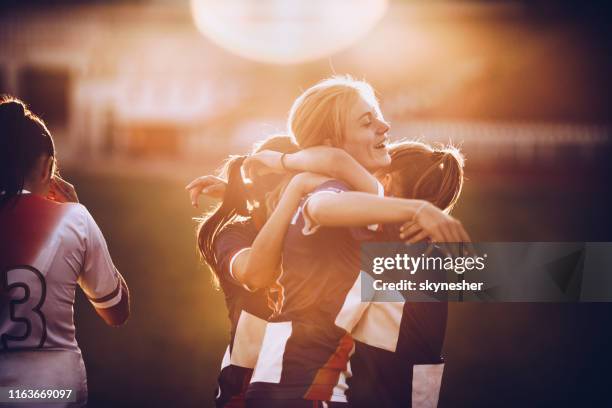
x,y
422,171
320,113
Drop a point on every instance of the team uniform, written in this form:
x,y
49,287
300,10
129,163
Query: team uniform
x,y
248,312
321,321
304,360
46,250
411,374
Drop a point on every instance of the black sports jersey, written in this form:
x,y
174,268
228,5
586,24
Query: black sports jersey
x,y
392,379
305,353
248,312
384,378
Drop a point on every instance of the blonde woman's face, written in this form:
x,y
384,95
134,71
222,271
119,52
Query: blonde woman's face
x,y
366,136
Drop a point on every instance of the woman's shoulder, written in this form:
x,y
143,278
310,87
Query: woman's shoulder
x,y
245,227
333,185
76,210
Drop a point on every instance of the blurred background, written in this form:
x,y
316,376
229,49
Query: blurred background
x,y
142,96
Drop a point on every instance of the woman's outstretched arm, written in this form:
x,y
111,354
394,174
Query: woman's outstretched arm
x,y
259,266
330,161
350,209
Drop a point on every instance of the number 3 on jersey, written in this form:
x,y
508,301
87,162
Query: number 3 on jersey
x,y
22,295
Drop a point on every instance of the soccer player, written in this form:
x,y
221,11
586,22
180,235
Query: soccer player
x,y
412,374
223,238
417,171
304,357
49,245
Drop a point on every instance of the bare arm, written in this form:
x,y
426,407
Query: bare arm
x,y
258,266
357,209
335,163
330,161
118,314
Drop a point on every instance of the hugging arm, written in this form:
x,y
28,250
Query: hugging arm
x,y
335,163
351,209
258,266
330,161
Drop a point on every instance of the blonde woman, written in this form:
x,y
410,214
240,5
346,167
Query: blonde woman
x,y
294,368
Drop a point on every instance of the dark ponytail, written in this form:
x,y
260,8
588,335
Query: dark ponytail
x,y
234,204
23,139
240,199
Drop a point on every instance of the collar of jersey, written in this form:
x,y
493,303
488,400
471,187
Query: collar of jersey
x,y
24,191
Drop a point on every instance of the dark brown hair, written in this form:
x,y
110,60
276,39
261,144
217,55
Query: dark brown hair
x,y
240,199
432,173
24,138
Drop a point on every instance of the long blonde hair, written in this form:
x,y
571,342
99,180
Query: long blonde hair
x,y
319,115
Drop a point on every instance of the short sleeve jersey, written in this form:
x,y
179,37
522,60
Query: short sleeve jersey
x,y
304,353
248,312
46,250
233,240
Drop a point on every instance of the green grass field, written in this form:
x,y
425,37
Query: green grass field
x,y
170,349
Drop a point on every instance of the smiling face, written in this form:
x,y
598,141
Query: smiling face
x,y
343,113
365,136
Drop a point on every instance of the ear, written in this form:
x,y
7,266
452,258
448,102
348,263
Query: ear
x,y
386,181
45,169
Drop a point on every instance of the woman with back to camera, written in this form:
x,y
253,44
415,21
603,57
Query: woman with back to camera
x,y
223,236
49,244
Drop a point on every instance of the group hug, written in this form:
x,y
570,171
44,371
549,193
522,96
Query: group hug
x,y
283,245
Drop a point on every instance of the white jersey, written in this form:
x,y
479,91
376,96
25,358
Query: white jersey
x,y
46,250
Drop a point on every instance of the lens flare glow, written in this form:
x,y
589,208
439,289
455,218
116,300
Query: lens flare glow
x,y
286,31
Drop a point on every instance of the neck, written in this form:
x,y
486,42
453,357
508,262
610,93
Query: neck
x,y
35,188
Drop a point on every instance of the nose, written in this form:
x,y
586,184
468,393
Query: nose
x,y
383,127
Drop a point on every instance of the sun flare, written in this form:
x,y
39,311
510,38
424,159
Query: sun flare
x,y
286,31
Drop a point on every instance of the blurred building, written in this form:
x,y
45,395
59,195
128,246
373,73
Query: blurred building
x,y
122,79
510,82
